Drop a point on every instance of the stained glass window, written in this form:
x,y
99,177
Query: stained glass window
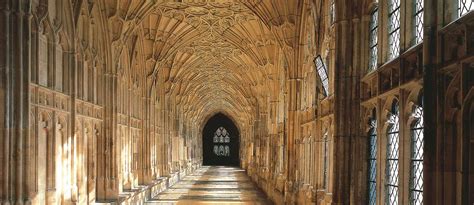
x,y
417,142
221,138
418,18
393,28
373,41
464,6
391,168
372,161
326,160
323,73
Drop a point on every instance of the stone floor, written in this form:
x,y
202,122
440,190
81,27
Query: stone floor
x,y
213,185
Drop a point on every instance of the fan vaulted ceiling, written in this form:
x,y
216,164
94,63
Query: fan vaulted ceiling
x,y
210,55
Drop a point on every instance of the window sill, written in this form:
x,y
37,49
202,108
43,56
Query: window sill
x,y
456,22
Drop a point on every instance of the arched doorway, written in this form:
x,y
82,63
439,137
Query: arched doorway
x,y
220,141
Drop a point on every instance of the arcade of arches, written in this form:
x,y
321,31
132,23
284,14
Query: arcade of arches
x,y
323,101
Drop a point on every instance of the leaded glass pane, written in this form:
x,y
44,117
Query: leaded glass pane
x,y
323,74
373,40
391,186
418,20
394,29
417,142
372,161
464,6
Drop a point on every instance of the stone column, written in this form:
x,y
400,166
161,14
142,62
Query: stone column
x,y
430,188
108,156
293,132
16,187
347,104
145,167
359,139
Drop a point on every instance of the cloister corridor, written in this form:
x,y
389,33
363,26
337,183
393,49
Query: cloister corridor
x,y
286,102
213,185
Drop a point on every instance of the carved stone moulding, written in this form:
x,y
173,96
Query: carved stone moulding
x,y
89,109
49,98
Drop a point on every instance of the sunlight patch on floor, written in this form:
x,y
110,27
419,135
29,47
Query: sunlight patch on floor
x,y
213,185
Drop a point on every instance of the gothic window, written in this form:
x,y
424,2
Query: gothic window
x,y
393,28
373,39
391,168
464,6
332,11
418,18
416,169
220,139
372,160
323,74
326,160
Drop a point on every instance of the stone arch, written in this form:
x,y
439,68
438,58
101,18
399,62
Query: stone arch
x,y
224,112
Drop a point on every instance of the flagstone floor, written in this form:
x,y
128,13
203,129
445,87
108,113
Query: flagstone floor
x,y
213,185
